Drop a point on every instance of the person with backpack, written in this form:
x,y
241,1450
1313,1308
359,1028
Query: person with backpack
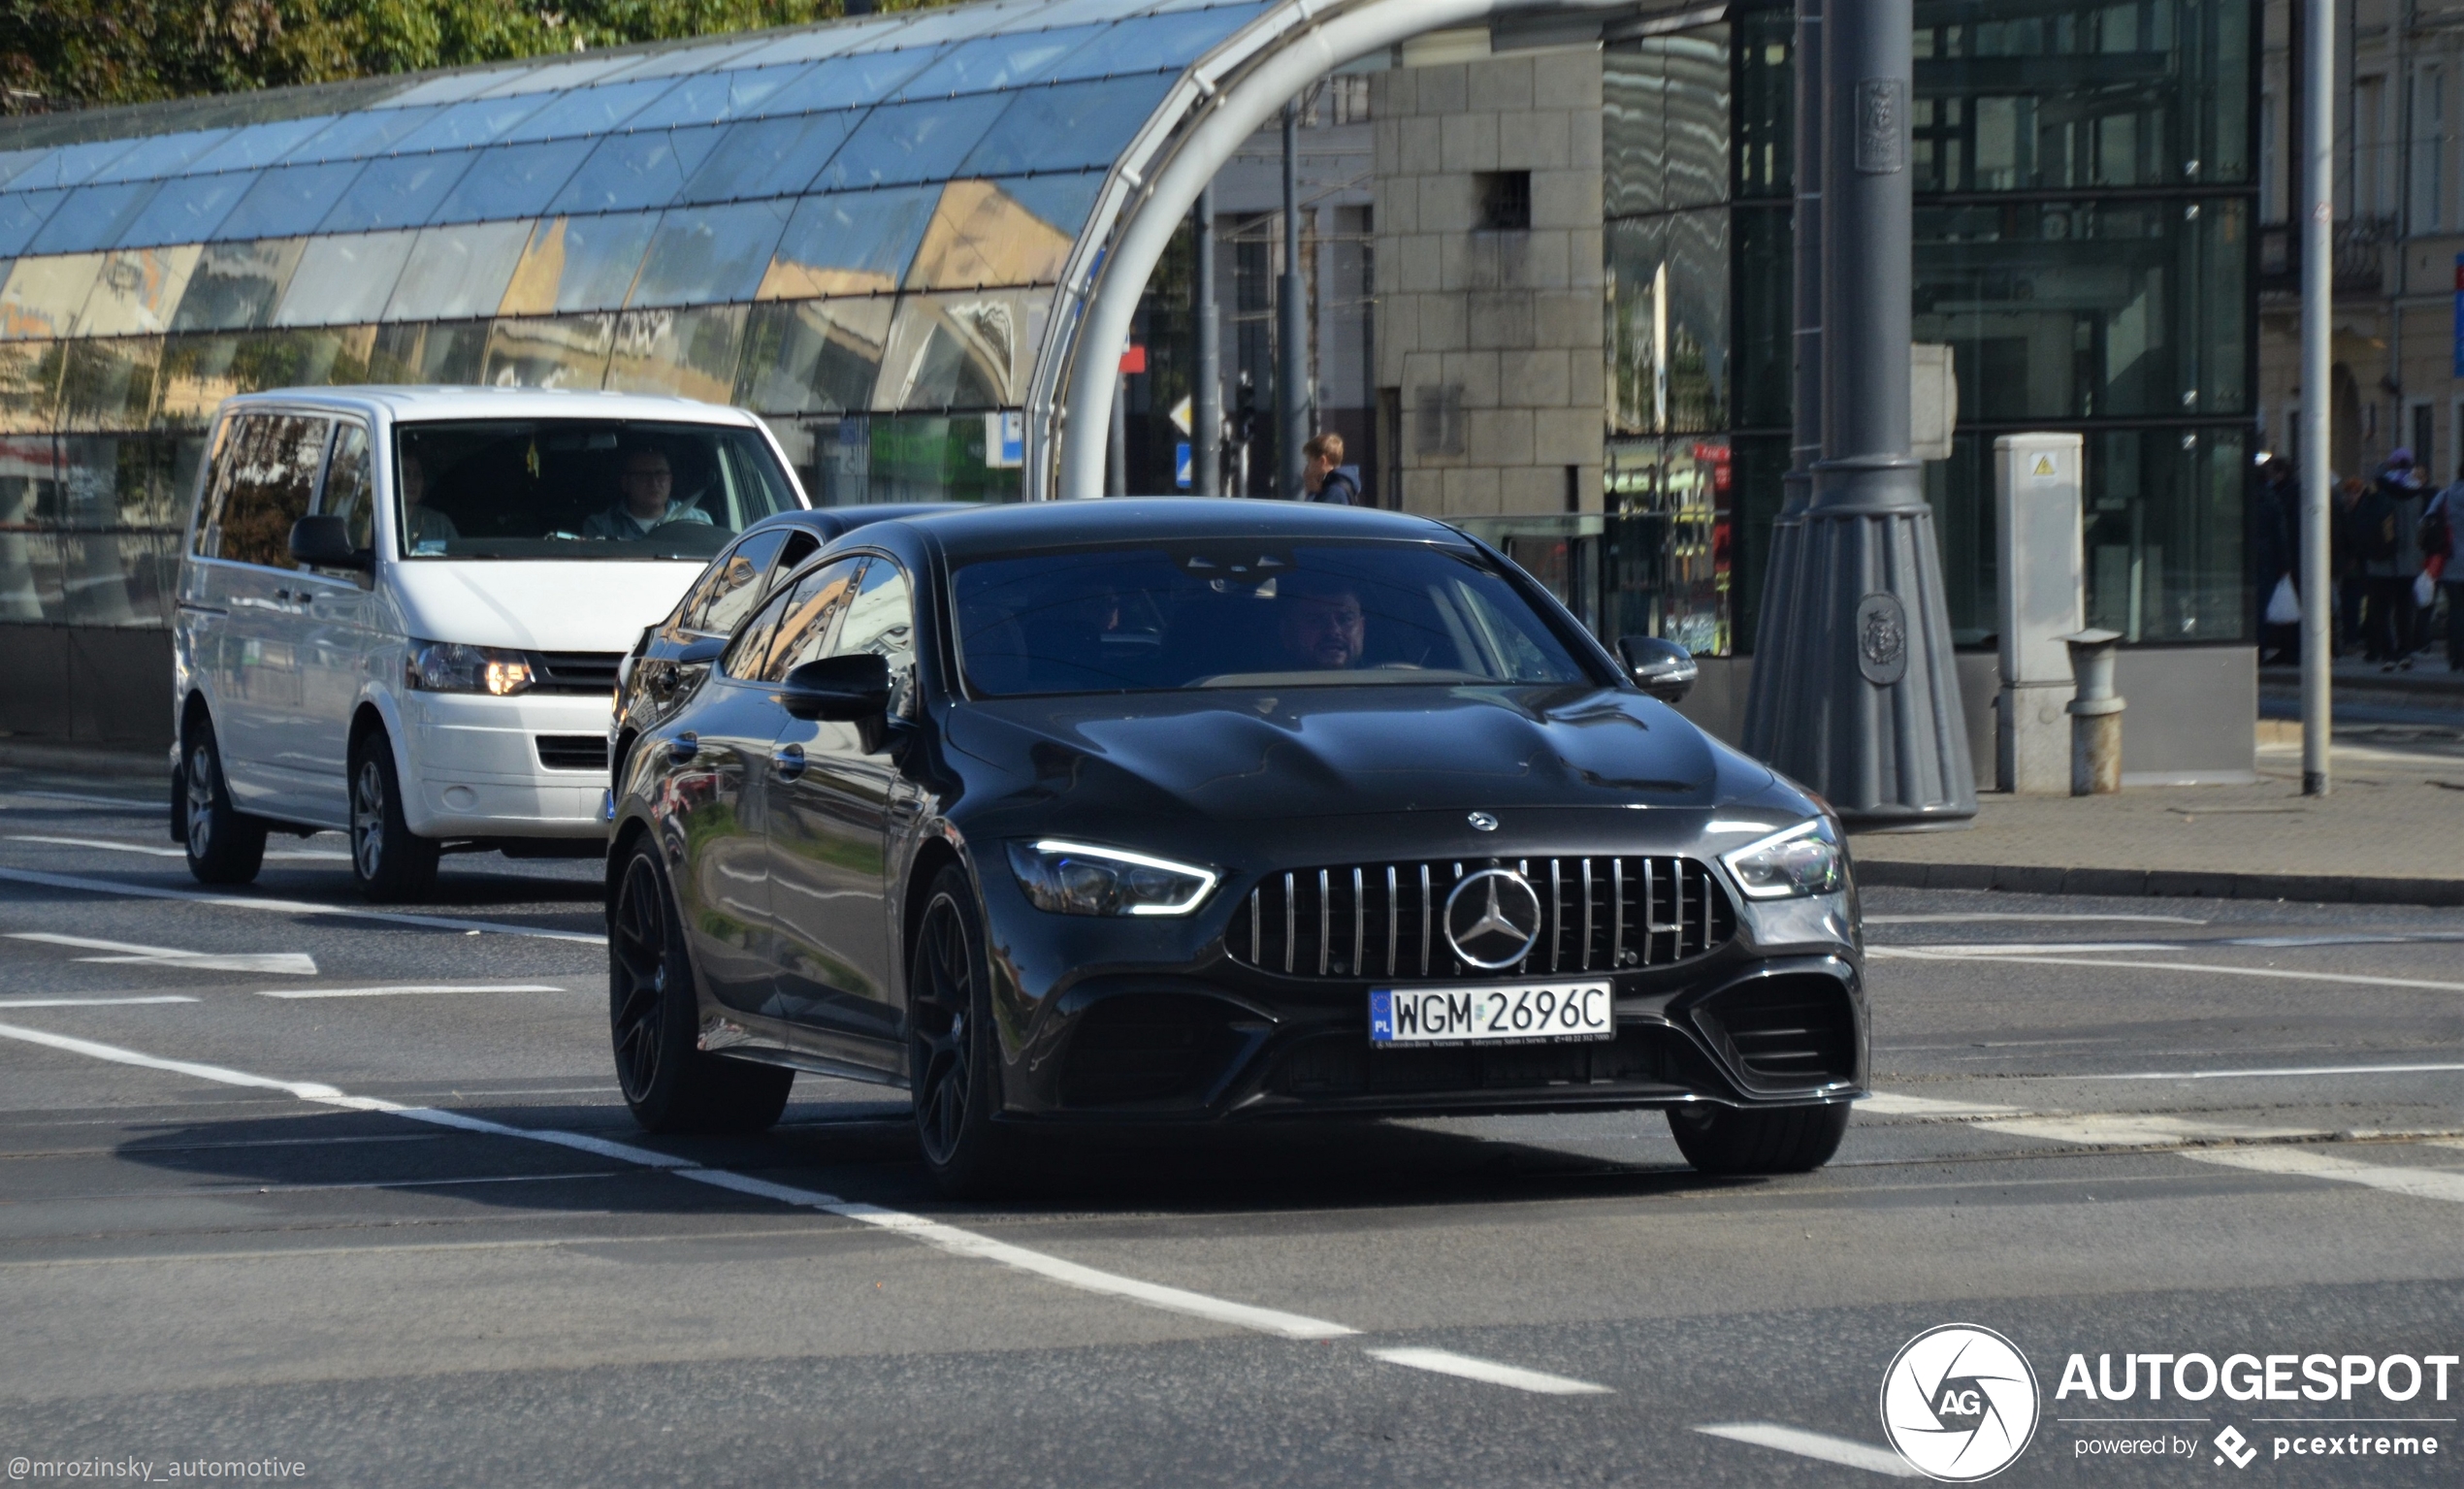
x,y
2437,538
1324,479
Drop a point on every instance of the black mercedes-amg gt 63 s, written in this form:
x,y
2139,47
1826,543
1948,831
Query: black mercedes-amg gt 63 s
x,y
1167,811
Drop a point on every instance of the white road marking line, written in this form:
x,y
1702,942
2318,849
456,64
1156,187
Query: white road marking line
x,y
2284,1072
2093,1129
1445,1362
2417,1183
165,997
158,851
1975,919
933,1233
289,964
1844,1451
407,988
1988,949
1912,955
289,906
1893,1104
122,803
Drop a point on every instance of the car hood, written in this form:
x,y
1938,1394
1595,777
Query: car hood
x,y
1243,754
599,605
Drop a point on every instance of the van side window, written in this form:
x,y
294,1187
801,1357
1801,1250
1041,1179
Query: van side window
x,y
272,463
207,543
350,492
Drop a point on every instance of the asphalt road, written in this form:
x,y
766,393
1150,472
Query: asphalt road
x,y
261,1204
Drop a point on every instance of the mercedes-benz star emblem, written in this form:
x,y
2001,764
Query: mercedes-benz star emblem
x,y
1492,918
1483,821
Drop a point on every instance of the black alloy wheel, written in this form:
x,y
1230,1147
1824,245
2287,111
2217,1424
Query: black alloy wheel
x,y
668,1081
387,860
225,846
952,1056
1773,1140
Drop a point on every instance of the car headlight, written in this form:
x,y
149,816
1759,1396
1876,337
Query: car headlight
x,y
449,666
1076,879
1805,859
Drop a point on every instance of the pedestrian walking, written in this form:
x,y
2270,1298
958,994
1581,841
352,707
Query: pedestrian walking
x,y
2437,538
1324,479
2270,520
2406,613
2377,551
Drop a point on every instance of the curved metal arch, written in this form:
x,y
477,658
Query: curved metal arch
x,y
1222,99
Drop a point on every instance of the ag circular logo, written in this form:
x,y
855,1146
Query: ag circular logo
x,y
1492,918
1960,1403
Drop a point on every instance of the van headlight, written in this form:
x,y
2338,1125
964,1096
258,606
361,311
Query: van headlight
x,y
1805,859
449,666
1077,879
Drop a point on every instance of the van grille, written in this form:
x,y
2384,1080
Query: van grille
x,y
573,752
574,671
1386,920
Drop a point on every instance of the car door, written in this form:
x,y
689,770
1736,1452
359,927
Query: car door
x,y
832,787
337,643
262,701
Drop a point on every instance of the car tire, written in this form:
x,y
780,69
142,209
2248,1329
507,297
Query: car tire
x,y
225,845
389,862
953,1054
1773,1140
670,1084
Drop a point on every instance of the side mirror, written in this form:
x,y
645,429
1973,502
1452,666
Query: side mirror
x,y
838,688
325,542
1662,668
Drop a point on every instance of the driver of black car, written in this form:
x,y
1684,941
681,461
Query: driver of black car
x,y
644,502
1321,622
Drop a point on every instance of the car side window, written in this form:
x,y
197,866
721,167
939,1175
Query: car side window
x,y
882,619
273,463
728,593
793,626
350,492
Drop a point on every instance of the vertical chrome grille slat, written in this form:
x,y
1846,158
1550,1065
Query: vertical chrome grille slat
x,y
1394,919
1257,952
1616,911
1359,927
1325,921
1587,915
1291,921
1556,915
1424,920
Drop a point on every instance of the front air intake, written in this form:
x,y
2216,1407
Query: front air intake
x,y
1795,1030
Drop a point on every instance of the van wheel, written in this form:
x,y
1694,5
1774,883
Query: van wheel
x,y
387,860
1773,1140
225,846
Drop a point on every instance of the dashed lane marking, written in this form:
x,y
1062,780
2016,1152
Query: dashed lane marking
x,y
158,851
160,998
2277,1073
1893,1104
288,963
1911,954
407,988
1847,1452
93,886
2417,1183
1445,1362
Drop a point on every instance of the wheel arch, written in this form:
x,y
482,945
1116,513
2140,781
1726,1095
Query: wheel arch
x,y
935,853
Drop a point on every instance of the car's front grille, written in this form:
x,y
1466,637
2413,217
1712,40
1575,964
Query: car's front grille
x,y
1387,920
1795,1030
573,752
574,671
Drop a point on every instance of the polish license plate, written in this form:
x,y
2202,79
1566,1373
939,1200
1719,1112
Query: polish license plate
x,y
1516,1013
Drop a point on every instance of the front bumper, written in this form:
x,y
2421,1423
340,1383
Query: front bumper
x,y
475,769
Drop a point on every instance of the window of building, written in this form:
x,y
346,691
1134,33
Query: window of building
x,y
1505,200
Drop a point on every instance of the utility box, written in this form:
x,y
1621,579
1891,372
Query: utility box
x,y
2036,484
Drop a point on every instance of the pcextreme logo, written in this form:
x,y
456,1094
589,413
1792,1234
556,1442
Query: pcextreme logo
x,y
1960,1403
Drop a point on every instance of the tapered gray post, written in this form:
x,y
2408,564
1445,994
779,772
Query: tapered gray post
x,y
1206,400
1291,327
1767,717
2318,267
1116,454
1881,735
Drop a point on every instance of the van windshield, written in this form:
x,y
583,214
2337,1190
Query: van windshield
x,y
580,488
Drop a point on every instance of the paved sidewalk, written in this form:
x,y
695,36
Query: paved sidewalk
x,y
2390,832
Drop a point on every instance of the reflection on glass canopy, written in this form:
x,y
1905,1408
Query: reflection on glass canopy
x,y
864,217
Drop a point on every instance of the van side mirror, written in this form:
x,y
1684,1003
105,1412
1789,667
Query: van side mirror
x,y
839,689
325,542
1662,668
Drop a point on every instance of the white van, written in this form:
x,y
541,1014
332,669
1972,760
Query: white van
x,y
400,612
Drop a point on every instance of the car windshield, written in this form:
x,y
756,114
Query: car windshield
x,y
1246,614
580,488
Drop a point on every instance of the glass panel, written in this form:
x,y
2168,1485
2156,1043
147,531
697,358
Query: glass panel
x,y
187,208
931,29
643,170
768,157
29,389
1698,98
428,352
261,144
962,351
1668,308
355,136
1664,121
161,155
590,112
2164,534
902,143
814,356
854,245
1765,104
344,280
1074,125
995,233
138,291
716,98
847,82
13,163
689,353
1160,41
42,296
289,200
92,218
2085,309
1667,552
707,255
350,485
235,285
21,217
579,264
691,59
821,41
1000,61
71,165
458,271
1766,331
871,458
559,352
557,77
109,383
512,180
274,460
396,192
